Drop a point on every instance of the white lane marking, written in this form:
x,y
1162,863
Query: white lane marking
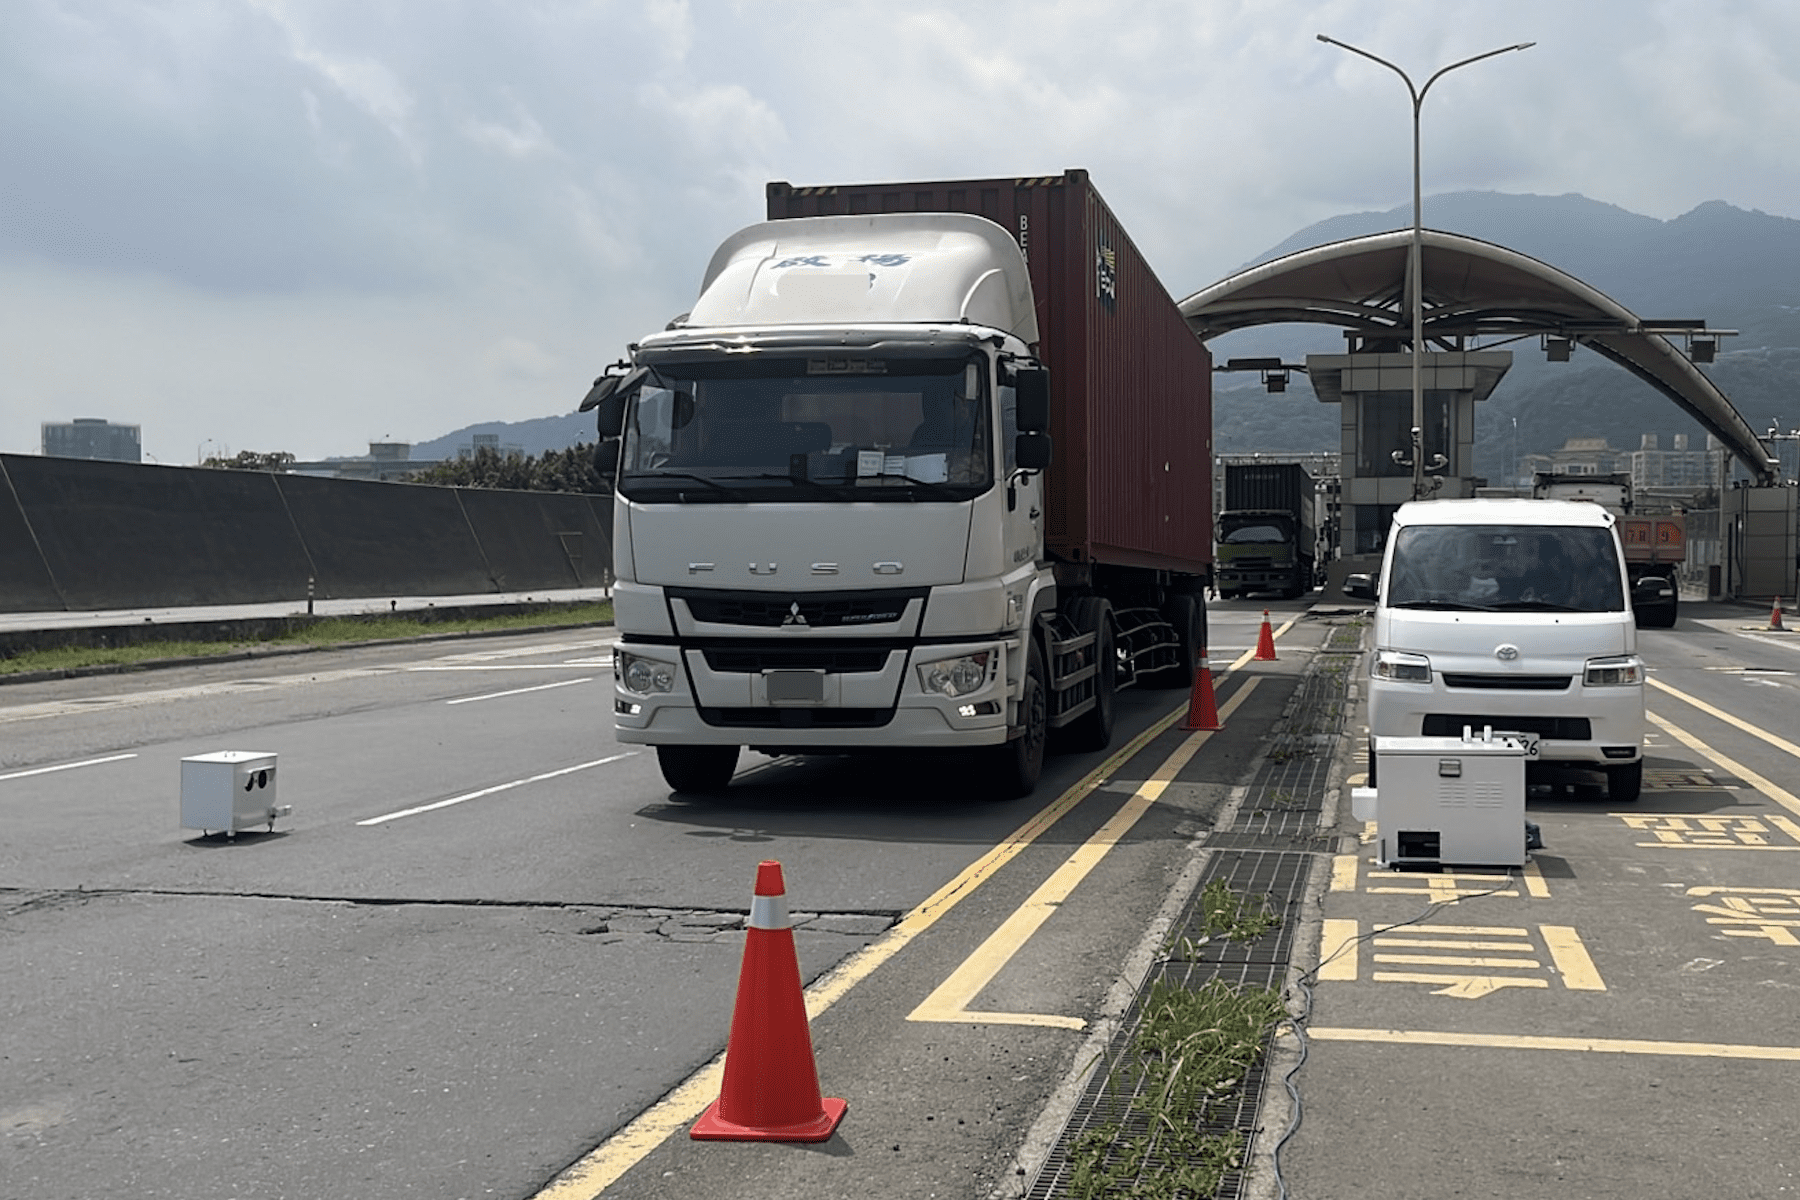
x,y
499,787
498,667
542,687
114,703
91,762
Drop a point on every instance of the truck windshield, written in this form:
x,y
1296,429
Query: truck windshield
x,y
806,429
1262,533
1518,567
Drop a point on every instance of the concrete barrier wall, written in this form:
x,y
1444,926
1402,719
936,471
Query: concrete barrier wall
x,y
80,535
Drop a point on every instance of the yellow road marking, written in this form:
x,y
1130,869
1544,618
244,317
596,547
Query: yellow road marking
x,y
951,999
1571,957
1778,742
592,1174
1460,987
1780,795
1457,960
1426,943
1343,872
1505,1041
1339,934
1535,883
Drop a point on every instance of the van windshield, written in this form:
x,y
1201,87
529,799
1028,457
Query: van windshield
x,y
1516,567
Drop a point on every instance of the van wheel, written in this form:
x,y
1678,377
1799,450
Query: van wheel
x,y
1017,765
1093,729
1624,783
697,768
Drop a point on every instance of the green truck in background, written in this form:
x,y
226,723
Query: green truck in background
x,y
1267,531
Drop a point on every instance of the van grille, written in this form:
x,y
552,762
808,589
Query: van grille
x,y
1508,683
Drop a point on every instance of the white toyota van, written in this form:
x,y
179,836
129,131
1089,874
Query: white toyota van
x,y
1514,615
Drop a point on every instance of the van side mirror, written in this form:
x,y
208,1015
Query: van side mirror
x,y
1359,586
1032,386
1032,451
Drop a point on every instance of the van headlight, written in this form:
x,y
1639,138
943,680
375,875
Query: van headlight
x,y
1622,670
644,676
1401,667
956,676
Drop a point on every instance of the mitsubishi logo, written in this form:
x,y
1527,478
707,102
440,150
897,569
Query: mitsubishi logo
x,y
794,615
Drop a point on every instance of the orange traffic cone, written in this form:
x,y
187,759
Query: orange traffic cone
x,y
1265,641
771,1087
1775,617
1203,713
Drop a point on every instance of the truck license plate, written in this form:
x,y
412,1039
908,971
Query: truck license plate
x,y
795,687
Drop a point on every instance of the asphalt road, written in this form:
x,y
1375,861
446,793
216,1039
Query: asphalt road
x,y
488,948
488,938
1617,1020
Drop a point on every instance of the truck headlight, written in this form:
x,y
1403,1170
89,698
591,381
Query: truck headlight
x,y
1401,667
644,676
1624,670
956,676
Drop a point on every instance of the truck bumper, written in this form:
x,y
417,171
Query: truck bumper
x,y
889,709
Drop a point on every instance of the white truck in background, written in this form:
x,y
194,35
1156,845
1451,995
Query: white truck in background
x,y
1655,543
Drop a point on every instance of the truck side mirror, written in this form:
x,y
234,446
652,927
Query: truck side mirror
x,y
1359,586
606,459
1032,386
608,395
1032,451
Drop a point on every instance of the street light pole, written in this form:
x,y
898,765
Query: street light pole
x,y
1417,252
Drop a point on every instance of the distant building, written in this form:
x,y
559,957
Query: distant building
x,y
92,437
487,441
384,461
1580,456
1678,468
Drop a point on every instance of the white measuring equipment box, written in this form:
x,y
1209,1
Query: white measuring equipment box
x,y
1441,800
229,790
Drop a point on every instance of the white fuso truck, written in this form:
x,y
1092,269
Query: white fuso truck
x,y
832,483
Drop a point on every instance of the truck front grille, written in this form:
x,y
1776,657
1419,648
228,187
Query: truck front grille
x,y
810,610
1560,729
813,656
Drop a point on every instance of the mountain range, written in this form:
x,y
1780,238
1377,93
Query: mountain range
x,y
1738,269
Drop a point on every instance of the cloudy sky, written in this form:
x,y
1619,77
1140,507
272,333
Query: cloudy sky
x,y
307,224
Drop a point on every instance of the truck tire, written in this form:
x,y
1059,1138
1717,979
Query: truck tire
x,y
1093,729
697,768
1186,612
1017,765
1624,783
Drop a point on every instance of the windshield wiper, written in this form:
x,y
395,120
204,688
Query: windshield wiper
x,y
653,476
1443,605
1539,606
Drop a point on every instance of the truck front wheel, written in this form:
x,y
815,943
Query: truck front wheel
x,y
697,768
1018,764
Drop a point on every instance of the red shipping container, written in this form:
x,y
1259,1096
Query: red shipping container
x,y
1130,384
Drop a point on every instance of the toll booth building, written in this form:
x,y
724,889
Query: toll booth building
x,y
1374,392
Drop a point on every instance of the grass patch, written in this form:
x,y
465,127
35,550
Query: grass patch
x,y
332,631
325,631
69,658
1186,1061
